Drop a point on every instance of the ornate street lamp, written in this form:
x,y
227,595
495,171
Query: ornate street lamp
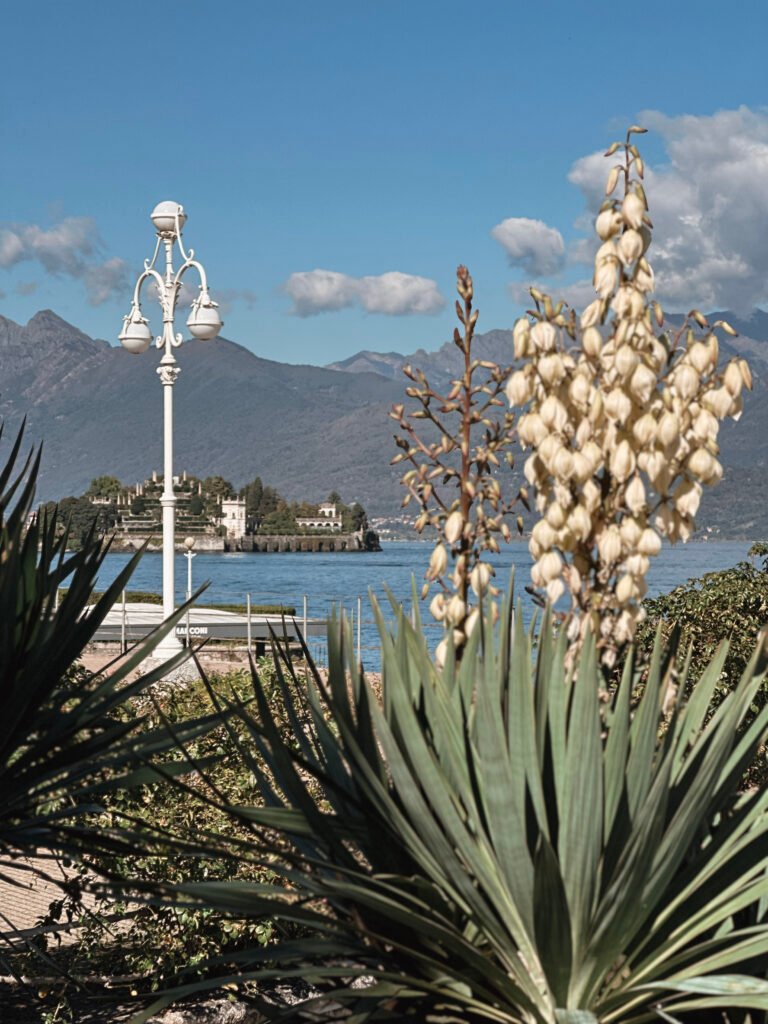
x,y
204,323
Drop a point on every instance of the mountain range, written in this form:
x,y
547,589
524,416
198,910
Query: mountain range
x,y
306,430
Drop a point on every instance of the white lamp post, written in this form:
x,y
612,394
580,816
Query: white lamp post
x,y
204,323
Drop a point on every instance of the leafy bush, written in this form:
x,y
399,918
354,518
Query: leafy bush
x,y
502,840
728,605
161,940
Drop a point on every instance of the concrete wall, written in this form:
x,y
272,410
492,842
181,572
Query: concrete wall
x,y
333,542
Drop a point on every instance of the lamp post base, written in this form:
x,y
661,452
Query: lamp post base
x,y
186,672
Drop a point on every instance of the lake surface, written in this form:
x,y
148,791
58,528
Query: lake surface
x,y
341,578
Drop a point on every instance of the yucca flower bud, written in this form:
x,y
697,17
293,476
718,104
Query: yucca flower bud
x,y
454,525
551,369
553,413
563,464
642,384
746,373
543,533
594,454
438,562
644,430
551,566
618,405
687,381
626,360
630,246
649,542
544,336
626,589
622,461
596,408
480,577
604,279
669,429
531,429
636,565
631,531
437,607
687,496
732,379
472,620
592,342
699,357
548,449
555,590
705,426
634,496
580,523
519,388
521,337
700,463
719,401
609,545
455,610
555,515
592,314
441,652
579,390
633,210
608,223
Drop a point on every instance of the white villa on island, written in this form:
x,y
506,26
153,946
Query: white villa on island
x,y
327,518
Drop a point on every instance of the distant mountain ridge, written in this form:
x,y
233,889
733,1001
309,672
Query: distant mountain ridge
x,y
306,430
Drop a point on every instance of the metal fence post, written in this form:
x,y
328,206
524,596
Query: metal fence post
x,y
359,629
123,644
248,603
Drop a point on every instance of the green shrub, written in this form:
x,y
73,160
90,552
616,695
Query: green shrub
x,y
161,940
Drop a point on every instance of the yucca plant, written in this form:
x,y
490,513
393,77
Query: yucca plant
x,y
60,749
503,839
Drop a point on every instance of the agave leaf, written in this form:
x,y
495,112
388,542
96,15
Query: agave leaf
x,y
581,810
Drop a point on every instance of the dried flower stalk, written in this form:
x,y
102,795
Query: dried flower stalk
x,y
454,480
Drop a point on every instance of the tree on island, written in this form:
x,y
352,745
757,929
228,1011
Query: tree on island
x,y
104,487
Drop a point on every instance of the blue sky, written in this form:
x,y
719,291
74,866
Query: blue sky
x,y
380,143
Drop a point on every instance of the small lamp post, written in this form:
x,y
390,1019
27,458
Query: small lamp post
x,y
189,554
204,323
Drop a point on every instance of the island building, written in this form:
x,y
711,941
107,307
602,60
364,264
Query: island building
x,y
327,518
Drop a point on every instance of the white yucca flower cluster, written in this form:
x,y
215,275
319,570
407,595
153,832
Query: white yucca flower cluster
x,y
621,423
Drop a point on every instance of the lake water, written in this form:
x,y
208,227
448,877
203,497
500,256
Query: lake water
x,y
341,578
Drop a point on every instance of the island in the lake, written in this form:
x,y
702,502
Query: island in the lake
x,y
216,516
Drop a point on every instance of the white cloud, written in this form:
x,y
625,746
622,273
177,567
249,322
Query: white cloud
x,y
709,206
69,248
106,280
393,293
531,245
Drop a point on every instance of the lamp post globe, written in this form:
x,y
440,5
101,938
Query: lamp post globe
x,y
204,322
165,216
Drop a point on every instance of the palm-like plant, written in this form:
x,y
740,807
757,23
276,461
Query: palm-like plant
x,y
59,747
503,839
